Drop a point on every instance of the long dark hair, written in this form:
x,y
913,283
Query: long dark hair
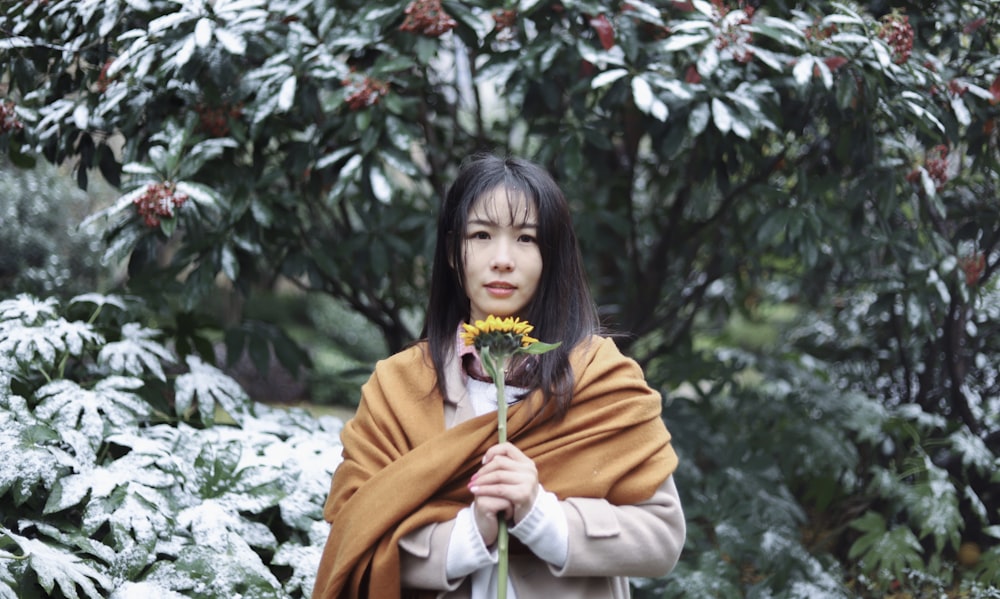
x,y
562,308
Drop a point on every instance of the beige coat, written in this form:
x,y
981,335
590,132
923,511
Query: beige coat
x,y
607,543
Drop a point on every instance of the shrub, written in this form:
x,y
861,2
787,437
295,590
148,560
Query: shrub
x,y
126,472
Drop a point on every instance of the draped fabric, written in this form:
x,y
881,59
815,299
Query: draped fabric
x,y
402,469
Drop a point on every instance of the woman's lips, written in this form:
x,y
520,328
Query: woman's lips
x,y
500,289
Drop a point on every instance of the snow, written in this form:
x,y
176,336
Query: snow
x,y
136,353
144,590
209,385
31,466
55,566
186,507
27,309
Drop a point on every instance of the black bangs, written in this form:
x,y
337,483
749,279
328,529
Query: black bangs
x,y
521,207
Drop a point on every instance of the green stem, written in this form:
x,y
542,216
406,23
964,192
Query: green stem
x,y
7,555
502,538
501,411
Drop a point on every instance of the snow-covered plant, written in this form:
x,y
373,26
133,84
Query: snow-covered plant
x,y
118,480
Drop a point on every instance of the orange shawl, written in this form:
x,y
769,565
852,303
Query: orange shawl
x,y
402,469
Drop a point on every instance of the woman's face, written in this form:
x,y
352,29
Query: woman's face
x,y
503,263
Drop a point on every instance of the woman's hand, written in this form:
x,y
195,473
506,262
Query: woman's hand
x,y
506,485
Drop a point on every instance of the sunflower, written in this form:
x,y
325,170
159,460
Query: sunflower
x,y
501,335
496,340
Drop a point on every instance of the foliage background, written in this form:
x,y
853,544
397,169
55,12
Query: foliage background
x,y
791,209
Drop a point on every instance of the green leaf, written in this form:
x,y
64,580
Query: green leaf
x,y
208,387
216,467
698,119
33,462
55,565
539,348
881,550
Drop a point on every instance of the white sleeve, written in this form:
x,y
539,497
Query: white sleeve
x,y
545,530
466,550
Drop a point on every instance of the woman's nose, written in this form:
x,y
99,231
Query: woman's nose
x,y
502,263
502,259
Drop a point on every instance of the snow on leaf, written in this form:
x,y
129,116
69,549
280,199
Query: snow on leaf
x,y
28,309
120,205
68,406
803,70
698,119
134,471
29,462
721,116
916,414
230,8
223,475
203,32
286,96
137,516
882,549
81,116
679,41
208,386
214,524
7,580
46,343
642,94
137,352
381,188
708,60
962,114
202,194
933,503
70,538
308,460
100,300
143,590
74,335
230,568
56,565
232,42
607,77
973,450
304,562
169,21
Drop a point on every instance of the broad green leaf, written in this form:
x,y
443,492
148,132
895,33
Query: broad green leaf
x,y
232,42
698,119
680,41
286,96
32,464
136,353
607,77
208,387
60,566
881,549
28,310
722,116
803,69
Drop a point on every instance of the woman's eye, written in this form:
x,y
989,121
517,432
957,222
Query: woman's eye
x,y
526,238
479,235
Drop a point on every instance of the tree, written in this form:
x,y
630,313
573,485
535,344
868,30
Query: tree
x,y
723,158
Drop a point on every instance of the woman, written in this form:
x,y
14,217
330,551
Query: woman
x,y
585,482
